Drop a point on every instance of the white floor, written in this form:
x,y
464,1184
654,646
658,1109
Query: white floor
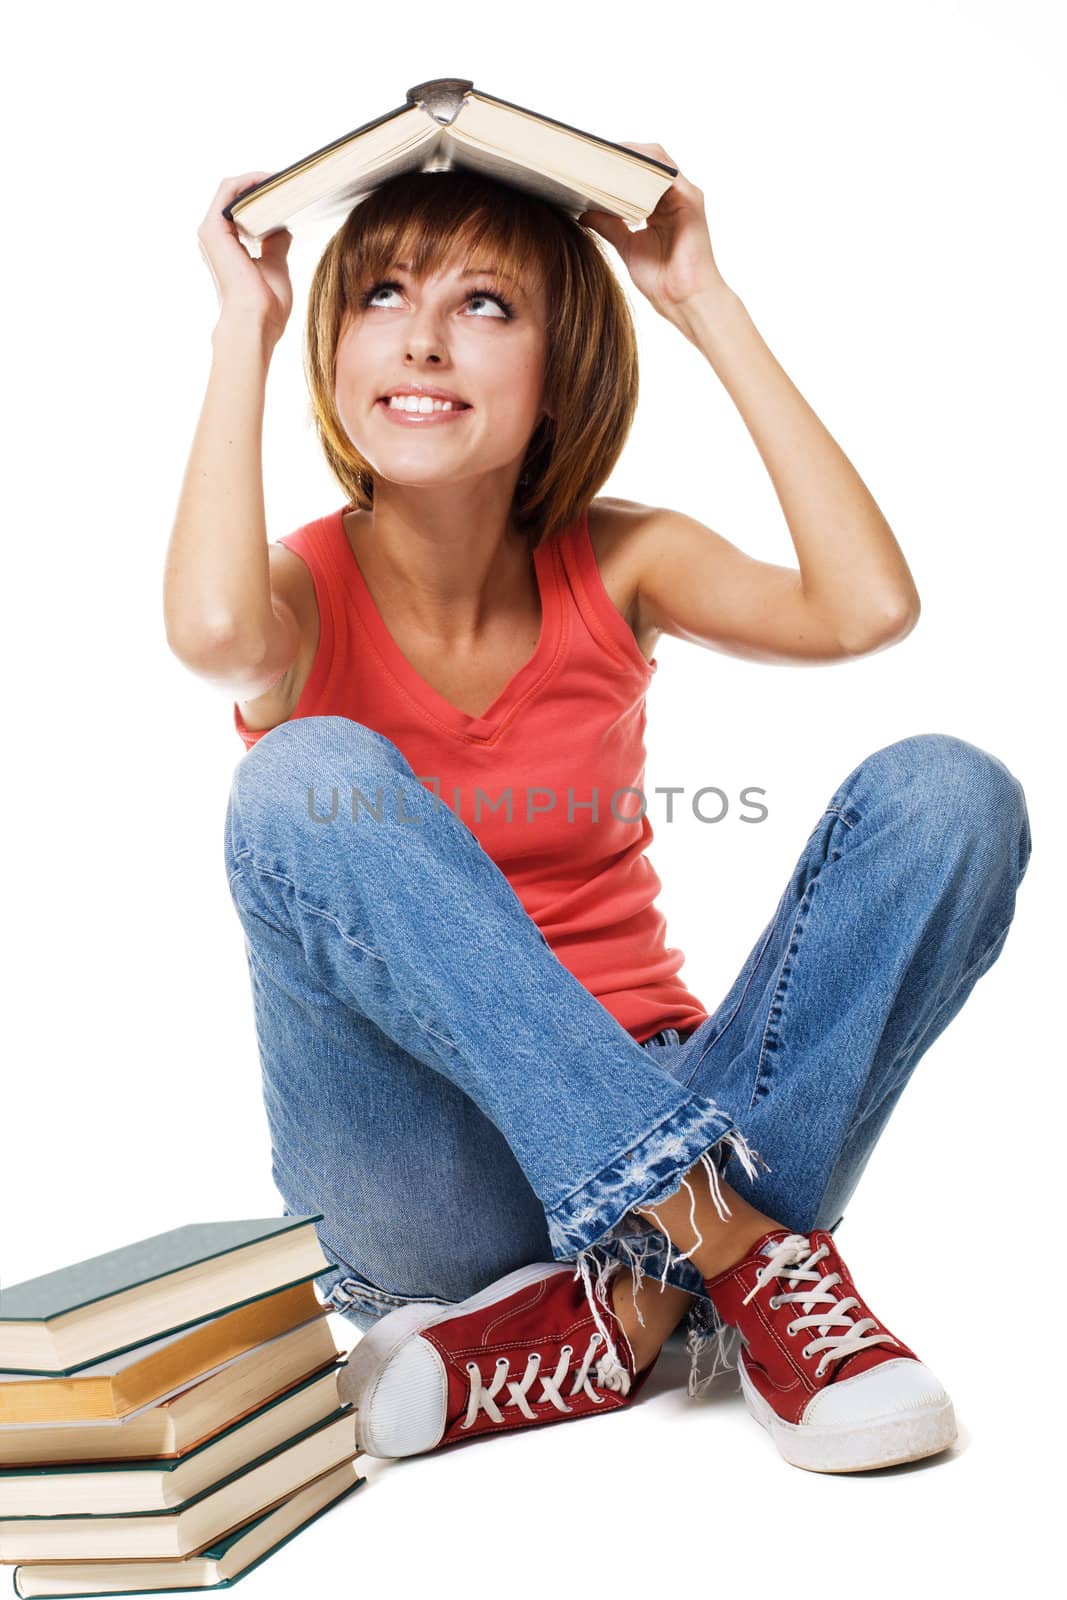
x,y
691,1495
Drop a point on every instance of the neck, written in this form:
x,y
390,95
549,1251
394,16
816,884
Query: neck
x,y
450,569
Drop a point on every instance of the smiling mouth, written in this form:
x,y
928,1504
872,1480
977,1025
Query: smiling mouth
x,y
402,417
420,411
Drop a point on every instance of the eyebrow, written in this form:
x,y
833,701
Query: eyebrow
x,y
471,272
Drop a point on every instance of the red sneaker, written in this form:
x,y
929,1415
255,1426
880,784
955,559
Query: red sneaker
x,y
522,1351
853,1396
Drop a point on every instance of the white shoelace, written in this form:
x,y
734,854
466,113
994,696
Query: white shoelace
x,y
610,1374
794,1259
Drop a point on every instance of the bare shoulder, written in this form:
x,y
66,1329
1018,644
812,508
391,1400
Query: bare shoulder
x,y
620,532
291,584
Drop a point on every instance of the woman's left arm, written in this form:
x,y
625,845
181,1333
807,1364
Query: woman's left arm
x,y
853,578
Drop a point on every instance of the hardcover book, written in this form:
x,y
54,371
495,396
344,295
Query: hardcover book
x,y
101,1489
200,1522
217,1567
113,1389
444,123
65,1320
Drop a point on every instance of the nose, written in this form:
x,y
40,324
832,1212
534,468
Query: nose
x,y
424,337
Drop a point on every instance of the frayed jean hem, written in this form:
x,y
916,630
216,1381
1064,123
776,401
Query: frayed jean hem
x,y
595,1219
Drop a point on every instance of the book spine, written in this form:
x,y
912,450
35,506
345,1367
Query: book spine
x,y
441,97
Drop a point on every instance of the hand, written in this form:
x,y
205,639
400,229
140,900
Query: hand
x,y
258,285
670,260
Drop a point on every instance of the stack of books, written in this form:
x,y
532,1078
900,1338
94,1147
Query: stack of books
x,y
169,1412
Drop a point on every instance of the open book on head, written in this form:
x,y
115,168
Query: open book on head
x,y
446,123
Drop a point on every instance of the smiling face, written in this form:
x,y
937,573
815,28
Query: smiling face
x,y
473,333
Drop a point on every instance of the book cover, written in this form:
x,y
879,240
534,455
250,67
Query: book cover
x,y
56,1294
109,1390
201,1521
118,1488
219,1566
68,1319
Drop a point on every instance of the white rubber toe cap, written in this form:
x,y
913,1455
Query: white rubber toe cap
x,y
402,1407
888,1390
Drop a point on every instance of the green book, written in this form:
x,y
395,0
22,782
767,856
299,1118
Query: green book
x,y
55,1324
217,1567
200,1522
119,1488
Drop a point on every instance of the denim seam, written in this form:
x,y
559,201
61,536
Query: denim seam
x,y
771,1034
712,1042
327,916
778,997
240,860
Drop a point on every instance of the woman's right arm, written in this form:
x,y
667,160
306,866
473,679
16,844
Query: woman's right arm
x,y
222,618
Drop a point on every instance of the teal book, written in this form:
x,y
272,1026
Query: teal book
x,y
65,1320
217,1567
119,1488
197,1523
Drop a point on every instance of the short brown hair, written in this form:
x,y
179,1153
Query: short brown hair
x,y
591,356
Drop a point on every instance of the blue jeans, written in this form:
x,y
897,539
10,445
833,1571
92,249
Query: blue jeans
x,y
456,1104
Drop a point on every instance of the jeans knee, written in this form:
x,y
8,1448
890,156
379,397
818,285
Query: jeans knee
x,y
316,768
325,739
315,753
956,788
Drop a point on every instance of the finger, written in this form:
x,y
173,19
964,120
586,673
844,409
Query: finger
x,y
227,191
612,228
275,246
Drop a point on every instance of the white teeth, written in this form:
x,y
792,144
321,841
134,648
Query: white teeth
x,y
414,402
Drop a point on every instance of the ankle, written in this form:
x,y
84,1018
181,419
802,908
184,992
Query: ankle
x,y
731,1243
661,1307
719,1241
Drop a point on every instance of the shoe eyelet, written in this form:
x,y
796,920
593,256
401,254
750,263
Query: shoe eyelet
x,y
501,1361
567,1350
790,1330
472,1366
774,1302
807,1352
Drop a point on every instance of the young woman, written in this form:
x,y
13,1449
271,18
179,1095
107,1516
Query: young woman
x,y
533,1148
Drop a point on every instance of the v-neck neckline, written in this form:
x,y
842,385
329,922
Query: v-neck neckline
x,y
518,687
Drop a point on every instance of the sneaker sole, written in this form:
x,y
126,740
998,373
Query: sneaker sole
x,y
379,1344
905,1436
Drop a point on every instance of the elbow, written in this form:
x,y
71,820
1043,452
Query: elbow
x,y
889,627
202,643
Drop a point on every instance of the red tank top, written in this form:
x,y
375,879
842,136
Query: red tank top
x,y
545,779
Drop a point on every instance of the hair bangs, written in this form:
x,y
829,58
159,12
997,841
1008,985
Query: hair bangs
x,y
437,228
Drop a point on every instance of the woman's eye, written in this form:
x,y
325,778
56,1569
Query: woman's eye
x,y
489,299
379,288
485,296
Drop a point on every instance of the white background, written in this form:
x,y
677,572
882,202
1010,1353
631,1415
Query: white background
x,y
882,185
